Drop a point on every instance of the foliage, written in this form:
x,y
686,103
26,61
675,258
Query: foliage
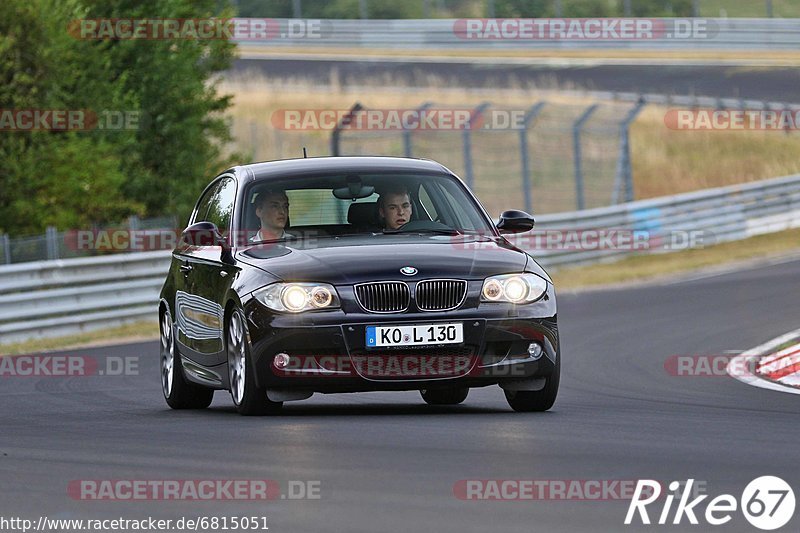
x,y
76,178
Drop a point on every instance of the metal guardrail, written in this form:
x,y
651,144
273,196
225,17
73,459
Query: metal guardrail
x,y
69,296
431,34
55,298
716,215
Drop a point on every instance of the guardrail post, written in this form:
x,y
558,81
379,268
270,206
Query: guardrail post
x,y
624,175
576,145
346,120
467,141
51,242
407,150
7,248
530,116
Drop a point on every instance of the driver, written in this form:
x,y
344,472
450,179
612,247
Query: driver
x,y
272,208
394,207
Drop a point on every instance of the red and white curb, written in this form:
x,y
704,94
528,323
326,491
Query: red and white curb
x,y
778,371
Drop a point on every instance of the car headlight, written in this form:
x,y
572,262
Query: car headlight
x,y
298,297
513,288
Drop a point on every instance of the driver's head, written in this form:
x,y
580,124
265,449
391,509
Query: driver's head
x,y
394,207
272,208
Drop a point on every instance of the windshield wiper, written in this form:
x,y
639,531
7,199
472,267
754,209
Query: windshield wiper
x,y
431,231
287,237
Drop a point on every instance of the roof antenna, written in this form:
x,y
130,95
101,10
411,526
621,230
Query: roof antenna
x,y
305,155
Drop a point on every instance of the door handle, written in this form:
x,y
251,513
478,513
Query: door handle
x,y
186,268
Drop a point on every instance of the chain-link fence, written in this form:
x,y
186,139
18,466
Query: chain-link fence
x,y
550,157
134,234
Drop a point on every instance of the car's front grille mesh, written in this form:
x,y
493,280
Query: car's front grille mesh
x,y
440,295
384,296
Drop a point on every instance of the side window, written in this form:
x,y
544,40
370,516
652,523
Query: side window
x,y
220,207
464,220
427,203
202,205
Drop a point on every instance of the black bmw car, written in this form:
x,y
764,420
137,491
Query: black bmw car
x,y
349,274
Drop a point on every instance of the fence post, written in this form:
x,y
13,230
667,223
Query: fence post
x,y
576,145
133,222
6,248
407,132
51,242
346,120
133,228
530,116
624,174
254,143
467,141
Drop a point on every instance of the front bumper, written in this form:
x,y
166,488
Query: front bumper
x,y
327,350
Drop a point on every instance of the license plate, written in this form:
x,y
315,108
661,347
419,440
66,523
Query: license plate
x,y
416,335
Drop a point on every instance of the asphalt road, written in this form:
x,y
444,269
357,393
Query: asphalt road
x,y
778,84
387,462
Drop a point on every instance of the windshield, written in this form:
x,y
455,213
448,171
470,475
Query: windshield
x,y
360,204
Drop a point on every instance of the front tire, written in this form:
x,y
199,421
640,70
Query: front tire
x,y
444,396
178,392
540,400
249,399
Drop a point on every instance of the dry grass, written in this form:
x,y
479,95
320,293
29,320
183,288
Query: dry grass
x,y
134,332
643,267
665,161
763,57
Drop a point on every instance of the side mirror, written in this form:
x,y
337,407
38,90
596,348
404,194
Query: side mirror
x,y
514,221
204,234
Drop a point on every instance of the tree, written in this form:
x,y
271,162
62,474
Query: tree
x,y
70,179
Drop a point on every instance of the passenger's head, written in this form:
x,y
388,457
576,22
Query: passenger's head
x,y
394,207
272,208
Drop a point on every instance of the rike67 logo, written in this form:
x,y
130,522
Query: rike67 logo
x,y
767,503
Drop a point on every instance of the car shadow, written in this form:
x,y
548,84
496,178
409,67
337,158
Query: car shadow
x,y
376,409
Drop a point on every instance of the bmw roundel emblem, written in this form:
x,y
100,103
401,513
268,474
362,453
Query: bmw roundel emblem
x,y
408,271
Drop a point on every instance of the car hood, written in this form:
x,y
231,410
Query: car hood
x,y
350,260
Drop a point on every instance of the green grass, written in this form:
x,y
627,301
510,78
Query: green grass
x,y
749,8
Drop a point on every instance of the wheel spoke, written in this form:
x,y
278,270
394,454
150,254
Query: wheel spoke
x,y
236,358
167,355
